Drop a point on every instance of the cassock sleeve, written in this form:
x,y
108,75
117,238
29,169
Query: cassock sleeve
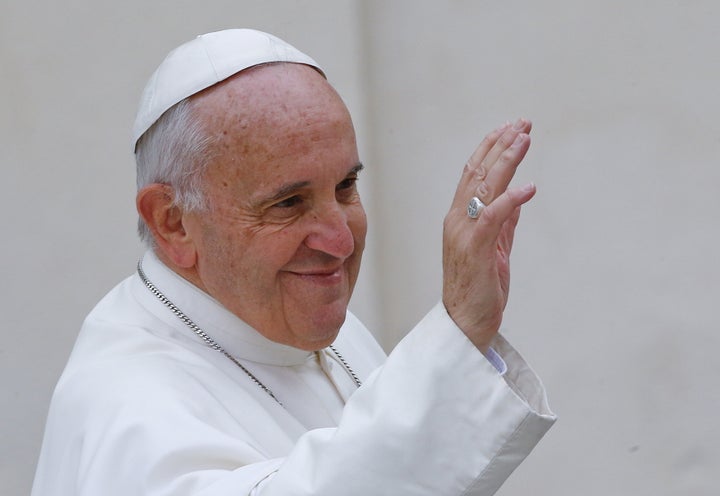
x,y
436,419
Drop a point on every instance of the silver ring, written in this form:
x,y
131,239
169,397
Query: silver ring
x,y
475,207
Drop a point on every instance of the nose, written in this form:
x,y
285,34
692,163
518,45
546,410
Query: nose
x,y
330,232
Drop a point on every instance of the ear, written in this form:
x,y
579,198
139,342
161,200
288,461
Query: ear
x,y
155,204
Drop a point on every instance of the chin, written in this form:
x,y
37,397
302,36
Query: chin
x,y
323,332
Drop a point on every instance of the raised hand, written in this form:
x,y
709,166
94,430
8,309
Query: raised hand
x,y
476,251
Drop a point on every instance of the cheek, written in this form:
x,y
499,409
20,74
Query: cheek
x,y
357,222
220,254
278,249
225,247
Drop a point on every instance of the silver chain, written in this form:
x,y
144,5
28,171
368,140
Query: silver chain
x,y
212,344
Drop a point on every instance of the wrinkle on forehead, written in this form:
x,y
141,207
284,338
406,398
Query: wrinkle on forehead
x,y
274,96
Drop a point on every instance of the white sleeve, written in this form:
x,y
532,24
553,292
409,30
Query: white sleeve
x,y
436,419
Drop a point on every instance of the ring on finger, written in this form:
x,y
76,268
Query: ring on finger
x,y
474,207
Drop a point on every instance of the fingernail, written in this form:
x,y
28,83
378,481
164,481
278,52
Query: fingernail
x,y
518,140
519,124
528,188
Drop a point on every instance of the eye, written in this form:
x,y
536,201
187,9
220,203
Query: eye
x,y
347,183
288,202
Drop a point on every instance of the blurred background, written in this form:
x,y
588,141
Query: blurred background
x,y
615,269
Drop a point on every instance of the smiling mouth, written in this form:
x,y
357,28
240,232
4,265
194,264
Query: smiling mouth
x,y
321,276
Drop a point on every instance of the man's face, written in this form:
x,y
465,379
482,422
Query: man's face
x,y
282,241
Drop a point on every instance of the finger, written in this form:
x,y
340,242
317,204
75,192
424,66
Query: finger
x,y
521,126
494,216
503,170
491,167
477,158
500,164
507,233
471,173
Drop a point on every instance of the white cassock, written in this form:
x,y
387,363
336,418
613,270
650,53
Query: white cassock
x,y
145,407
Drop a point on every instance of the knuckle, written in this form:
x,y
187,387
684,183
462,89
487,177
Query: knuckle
x,y
489,216
484,192
508,158
506,140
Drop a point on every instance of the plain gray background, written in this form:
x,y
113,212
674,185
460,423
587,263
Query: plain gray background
x,y
615,271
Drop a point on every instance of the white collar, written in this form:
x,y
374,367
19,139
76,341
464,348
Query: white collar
x,y
225,328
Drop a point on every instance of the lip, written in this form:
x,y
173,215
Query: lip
x,y
321,276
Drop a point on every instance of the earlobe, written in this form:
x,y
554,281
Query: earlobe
x,y
155,204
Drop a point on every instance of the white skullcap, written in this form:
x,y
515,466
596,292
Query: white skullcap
x,y
205,61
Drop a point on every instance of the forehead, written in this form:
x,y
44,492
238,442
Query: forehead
x,y
284,94
277,120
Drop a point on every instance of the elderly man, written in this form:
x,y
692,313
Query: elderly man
x,y
229,364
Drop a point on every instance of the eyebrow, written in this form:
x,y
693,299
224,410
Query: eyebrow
x,y
356,168
287,189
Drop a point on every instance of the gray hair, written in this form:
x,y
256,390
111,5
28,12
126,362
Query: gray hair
x,y
174,151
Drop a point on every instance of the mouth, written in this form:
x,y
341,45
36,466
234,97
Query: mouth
x,y
322,276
